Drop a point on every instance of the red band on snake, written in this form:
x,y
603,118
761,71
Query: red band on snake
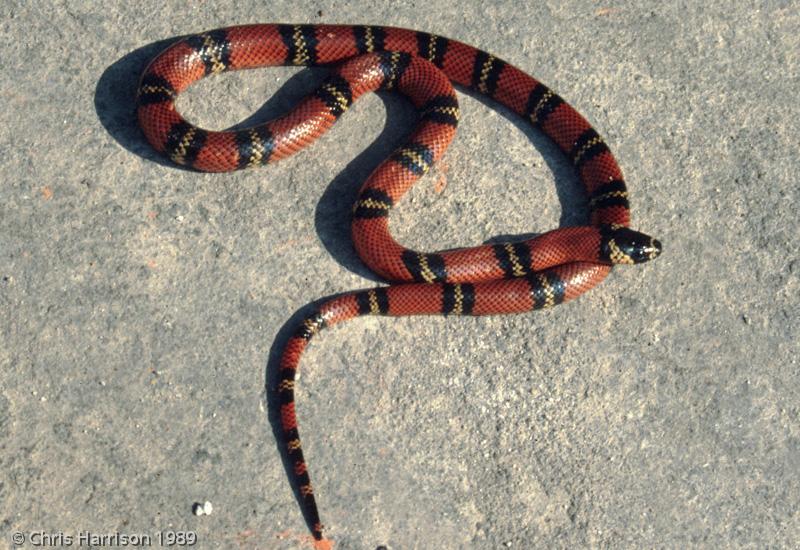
x,y
512,277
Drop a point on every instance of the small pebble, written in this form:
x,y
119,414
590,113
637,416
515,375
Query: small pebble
x,y
204,509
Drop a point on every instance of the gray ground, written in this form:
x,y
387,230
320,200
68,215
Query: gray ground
x,y
142,303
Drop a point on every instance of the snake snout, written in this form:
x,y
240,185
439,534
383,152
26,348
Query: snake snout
x,y
620,245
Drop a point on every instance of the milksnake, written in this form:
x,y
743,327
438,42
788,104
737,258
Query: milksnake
x,y
512,277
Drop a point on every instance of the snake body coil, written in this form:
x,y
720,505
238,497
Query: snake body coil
x,y
547,270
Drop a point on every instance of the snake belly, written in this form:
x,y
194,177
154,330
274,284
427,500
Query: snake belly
x,y
511,277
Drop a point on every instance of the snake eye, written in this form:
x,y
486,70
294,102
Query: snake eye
x,y
620,245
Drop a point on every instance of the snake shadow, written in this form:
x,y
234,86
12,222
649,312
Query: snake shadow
x,y
114,103
332,222
115,100
272,378
332,214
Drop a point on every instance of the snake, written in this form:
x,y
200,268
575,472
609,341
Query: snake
x,y
495,278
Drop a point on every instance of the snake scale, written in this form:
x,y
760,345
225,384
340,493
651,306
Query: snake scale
x,y
511,277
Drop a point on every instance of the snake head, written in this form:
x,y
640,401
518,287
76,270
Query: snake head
x,y
620,245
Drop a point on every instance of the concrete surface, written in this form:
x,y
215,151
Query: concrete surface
x,y
141,303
